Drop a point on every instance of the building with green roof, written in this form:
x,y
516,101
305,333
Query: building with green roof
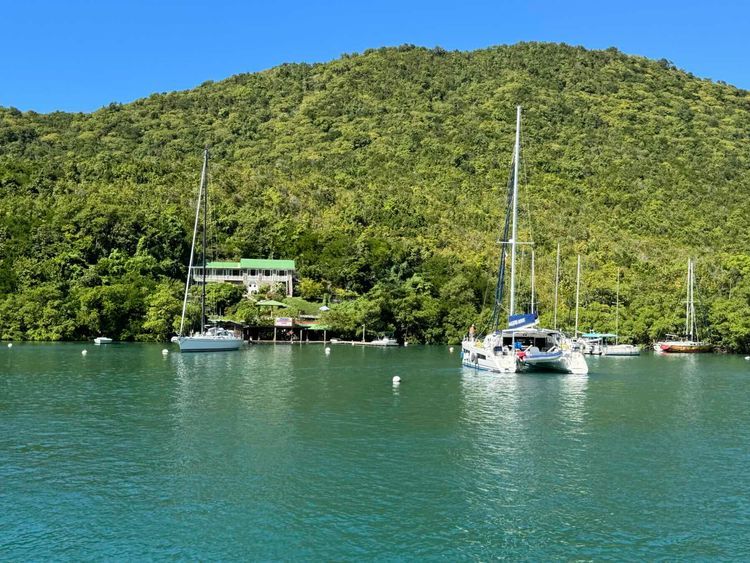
x,y
250,272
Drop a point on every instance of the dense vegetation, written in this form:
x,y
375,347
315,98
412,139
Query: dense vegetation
x,y
383,175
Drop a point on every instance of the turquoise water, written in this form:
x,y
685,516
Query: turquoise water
x,y
284,453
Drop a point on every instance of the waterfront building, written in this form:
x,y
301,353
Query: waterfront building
x,y
250,272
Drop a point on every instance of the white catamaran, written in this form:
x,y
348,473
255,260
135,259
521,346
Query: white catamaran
x,y
522,346
209,339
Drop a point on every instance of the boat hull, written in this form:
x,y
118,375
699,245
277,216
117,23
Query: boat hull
x,y
686,347
384,342
568,361
102,340
494,354
208,344
621,350
475,355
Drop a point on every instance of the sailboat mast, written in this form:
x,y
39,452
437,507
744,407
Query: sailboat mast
x,y
557,280
578,291
514,236
533,276
617,309
204,181
693,324
192,246
687,302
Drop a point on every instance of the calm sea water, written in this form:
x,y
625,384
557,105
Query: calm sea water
x,y
284,453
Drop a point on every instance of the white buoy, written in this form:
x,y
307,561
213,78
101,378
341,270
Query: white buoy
x,y
84,352
164,352
396,380
328,351
10,345
450,349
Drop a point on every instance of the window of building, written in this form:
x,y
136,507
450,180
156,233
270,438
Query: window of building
x,y
266,272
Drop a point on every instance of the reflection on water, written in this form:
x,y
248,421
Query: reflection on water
x,y
282,452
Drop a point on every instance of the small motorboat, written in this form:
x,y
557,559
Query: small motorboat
x,y
102,340
384,341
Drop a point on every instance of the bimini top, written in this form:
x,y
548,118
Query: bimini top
x,y
598,335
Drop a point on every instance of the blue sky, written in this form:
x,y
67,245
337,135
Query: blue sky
x,y
78,55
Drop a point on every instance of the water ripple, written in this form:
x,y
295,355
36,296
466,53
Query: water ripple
x,y
284,453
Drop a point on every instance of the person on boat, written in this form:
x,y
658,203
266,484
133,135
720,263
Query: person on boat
x,y
472,330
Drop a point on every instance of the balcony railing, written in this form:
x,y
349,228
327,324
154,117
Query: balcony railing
x,y
240,278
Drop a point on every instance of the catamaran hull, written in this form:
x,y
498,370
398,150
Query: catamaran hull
x,y
566,362
477,357
208,344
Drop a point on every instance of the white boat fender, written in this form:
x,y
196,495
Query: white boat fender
x,y
396,380
473,357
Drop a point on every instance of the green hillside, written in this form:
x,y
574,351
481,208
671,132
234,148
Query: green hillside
x,y
383,175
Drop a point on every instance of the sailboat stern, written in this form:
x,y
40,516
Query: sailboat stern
x,y
489,355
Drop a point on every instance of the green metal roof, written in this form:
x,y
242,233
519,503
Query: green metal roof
x,y
258,264
267,264
270,303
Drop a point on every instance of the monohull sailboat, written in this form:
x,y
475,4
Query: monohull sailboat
x,y
209,339
522,345
691,344
600,343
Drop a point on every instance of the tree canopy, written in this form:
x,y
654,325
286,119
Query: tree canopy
x,y
383,174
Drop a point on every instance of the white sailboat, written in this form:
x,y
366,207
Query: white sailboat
x,y
691,344
599,343
522,346
209,339
618,349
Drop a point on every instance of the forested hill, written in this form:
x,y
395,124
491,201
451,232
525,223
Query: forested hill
x,y
383,175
